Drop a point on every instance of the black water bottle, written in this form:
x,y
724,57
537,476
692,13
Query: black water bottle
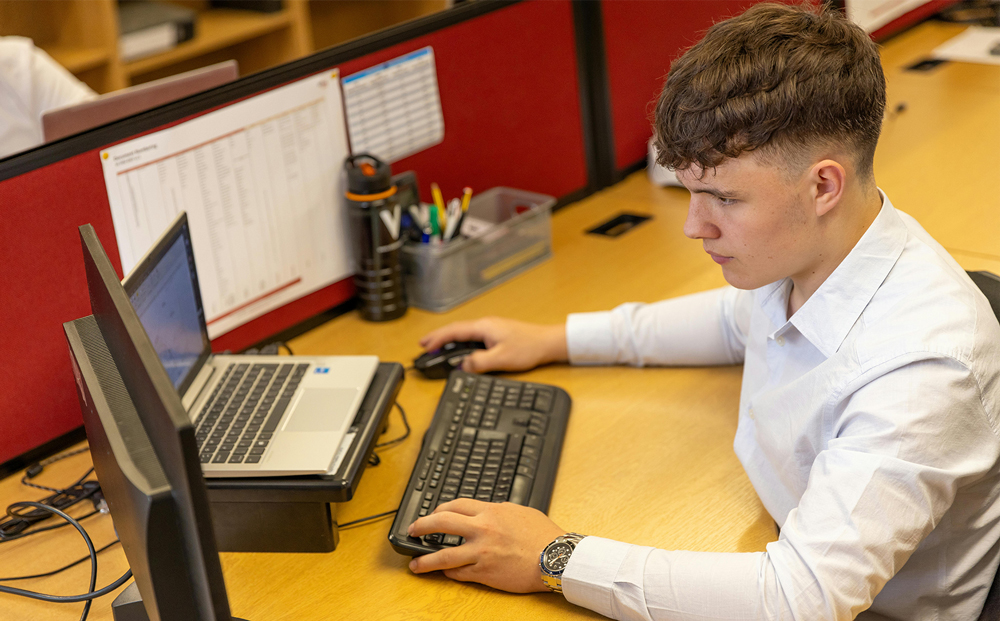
x,y
376,218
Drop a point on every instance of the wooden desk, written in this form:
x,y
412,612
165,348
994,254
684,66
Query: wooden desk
x,y
648,455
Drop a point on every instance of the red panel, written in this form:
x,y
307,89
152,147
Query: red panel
x,y
43,286
511,106
642,38
510,99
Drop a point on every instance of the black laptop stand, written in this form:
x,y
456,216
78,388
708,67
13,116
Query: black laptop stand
x,y
298,514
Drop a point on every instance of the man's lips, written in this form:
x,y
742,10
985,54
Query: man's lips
x,y
719,258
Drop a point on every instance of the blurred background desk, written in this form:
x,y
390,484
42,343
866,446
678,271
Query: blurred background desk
x,y
648,455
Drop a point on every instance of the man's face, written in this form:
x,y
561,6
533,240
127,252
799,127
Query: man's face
x,y
754,220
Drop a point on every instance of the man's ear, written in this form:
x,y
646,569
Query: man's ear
x,y
827,180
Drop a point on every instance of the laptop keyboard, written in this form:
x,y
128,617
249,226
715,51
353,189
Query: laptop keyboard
x,y
238,420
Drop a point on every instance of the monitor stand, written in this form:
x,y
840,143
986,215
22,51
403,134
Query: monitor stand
x,y
128,606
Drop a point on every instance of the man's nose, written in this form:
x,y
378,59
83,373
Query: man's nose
x,y
698,224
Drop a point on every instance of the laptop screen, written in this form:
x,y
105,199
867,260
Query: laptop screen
x,y
164,291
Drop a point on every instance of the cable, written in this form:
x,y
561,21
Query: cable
x,y
16,520
405,435
37,468
86,538
285,345
61,569
17,523
91,593
365,520
69,598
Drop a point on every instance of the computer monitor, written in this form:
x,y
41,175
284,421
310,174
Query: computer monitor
x,y
145,457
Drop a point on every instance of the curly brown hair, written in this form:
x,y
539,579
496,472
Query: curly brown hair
x,y
779,79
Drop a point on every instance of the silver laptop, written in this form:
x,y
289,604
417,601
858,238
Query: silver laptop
x,y
253,415
68,120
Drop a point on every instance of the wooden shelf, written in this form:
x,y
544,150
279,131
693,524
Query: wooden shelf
x,y
79,59
214,30
82,35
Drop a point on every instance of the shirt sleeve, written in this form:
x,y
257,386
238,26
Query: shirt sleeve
x,y
705,328
904,445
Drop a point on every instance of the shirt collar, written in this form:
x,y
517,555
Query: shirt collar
x,y
829,314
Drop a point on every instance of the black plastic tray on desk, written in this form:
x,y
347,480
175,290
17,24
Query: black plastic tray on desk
x,y
294,514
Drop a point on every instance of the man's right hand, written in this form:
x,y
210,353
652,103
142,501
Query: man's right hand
x,y
512,345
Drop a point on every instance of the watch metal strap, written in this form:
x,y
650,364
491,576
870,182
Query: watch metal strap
x,y
553,579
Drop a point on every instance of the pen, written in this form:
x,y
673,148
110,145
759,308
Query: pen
x,y
466,197
454,216
435,226
438,199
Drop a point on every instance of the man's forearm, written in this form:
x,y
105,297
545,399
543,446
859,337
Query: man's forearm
x,y
698,329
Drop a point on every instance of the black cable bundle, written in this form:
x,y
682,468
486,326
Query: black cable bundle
x,y
22,516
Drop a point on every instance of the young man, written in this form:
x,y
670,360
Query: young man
x,y
868,413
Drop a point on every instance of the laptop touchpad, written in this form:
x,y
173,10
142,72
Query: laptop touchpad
x,y
322,409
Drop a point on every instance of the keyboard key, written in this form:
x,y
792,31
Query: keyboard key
x,y
276,414
520,491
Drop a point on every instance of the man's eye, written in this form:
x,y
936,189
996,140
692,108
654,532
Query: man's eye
x,y
726,201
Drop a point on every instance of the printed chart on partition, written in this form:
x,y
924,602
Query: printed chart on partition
x,y
260,181
394,109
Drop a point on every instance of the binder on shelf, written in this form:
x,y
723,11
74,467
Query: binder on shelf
x,y
148,27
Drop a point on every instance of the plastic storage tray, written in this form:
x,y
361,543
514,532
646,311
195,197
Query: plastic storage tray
x,y
439,277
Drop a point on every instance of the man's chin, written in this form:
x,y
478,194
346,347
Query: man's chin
x,y
741,280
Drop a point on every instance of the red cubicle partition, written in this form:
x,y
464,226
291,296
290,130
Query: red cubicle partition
x,y
641,39
511,103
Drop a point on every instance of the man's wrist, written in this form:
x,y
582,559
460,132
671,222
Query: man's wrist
x,y
557,349
555,557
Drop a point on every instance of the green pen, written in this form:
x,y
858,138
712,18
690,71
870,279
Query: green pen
x,y
435,226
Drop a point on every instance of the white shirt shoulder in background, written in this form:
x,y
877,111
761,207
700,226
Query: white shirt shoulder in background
x,y
31,82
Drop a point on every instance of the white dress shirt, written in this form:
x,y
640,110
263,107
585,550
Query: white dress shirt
x,y
30,84
868,425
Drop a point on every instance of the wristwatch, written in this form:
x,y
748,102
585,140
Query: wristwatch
x,y
554,559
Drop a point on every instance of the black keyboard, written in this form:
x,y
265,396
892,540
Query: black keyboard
x,y
491,439
237,421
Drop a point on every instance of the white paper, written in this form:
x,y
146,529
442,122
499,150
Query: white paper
x,y
262,186
394,109
972,46
873,14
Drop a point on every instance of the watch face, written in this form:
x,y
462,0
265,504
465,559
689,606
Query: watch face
x,y
557,556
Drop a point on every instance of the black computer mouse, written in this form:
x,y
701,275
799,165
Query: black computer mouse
x,y
438,364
